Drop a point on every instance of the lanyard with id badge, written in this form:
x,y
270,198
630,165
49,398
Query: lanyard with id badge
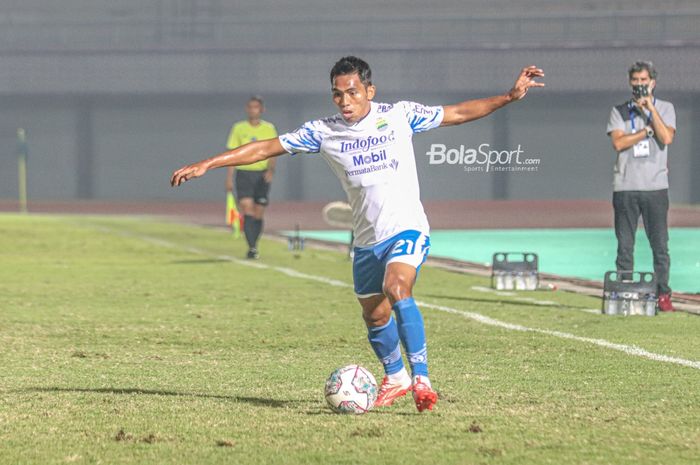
x,y
641,149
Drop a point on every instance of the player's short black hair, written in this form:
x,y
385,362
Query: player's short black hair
x,y
352,65
639,66
257,98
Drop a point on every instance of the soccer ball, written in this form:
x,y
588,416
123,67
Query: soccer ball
x,y
351,389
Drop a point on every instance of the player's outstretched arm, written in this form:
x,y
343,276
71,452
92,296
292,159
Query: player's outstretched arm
x,y
474,109
243,155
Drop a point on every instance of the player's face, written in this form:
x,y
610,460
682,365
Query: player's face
x,y
352,97
641,78
254,109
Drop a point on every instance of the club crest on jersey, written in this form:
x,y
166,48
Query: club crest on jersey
x,y
382,124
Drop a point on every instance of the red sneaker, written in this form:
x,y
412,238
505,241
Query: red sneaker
x,y
389,391
665,304
423,395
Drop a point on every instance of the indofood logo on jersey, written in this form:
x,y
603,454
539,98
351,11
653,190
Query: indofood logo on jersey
x,y
368,154
369,148
368,143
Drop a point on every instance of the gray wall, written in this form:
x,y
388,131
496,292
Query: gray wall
x,y
137,141
116,94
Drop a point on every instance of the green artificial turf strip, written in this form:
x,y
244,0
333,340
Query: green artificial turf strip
x,y
580,253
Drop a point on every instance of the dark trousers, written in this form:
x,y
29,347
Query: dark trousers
x,y
653,207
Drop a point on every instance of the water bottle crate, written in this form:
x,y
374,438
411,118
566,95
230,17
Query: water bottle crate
x,y
514,271
629,293
295,241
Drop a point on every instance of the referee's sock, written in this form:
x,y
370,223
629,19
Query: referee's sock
x,y
249,230
257,230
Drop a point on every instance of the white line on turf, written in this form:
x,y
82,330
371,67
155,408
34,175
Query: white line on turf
x,y
492,291
595,311
517,298
630,350
478,317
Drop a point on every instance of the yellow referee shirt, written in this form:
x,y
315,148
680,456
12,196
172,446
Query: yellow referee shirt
x,y
243,133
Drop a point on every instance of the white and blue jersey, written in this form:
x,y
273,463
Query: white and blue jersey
x,y
375,162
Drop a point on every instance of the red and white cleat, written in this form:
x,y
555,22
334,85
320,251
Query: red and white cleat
x,y
390,390
423,394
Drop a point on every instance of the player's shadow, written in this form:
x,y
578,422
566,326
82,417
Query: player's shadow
x,y
325,411
258,401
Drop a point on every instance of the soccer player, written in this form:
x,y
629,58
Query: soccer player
x,y
253,180
368,146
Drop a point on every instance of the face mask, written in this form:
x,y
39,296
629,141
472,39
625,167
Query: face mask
x,y
640,91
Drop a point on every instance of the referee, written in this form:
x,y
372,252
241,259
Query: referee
x,y
252,181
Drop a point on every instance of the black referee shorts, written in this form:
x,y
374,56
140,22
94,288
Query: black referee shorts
x,y
252,184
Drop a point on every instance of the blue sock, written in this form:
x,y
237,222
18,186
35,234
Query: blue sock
x,y
412,333
385,342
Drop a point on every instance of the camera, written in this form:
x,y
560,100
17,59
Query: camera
x,y
639,91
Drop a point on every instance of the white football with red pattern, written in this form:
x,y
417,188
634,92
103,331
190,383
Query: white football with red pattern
x,y
351,389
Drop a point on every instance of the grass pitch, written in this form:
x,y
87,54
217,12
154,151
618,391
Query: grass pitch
x,y
129,341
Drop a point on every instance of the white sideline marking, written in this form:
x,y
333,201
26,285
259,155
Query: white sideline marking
x,y
492,291
630,350
478,317
548,303
513,294
171,245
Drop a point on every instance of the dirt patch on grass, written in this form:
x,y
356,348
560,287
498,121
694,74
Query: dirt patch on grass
x,y
150,439
123,436
490,451
83,354
225,443
475,428
367,433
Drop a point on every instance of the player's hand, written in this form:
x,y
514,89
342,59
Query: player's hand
x,y
187,172
645,103
229,178
525,81
267,175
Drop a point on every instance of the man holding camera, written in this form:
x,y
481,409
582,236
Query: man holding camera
x,y
641,130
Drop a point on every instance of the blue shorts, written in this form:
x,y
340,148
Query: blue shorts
x,y
368,266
